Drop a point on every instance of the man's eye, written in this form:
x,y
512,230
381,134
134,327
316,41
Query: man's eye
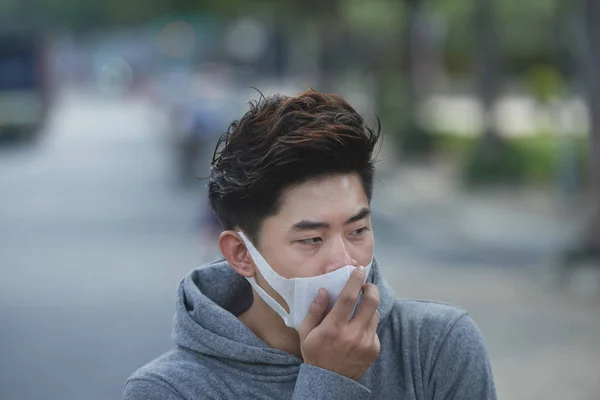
x,y
315,240
359,232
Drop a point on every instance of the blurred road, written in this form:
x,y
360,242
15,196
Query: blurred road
x,y
94,238
492,253
95,235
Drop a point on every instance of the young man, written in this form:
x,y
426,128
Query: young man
x,y
298,309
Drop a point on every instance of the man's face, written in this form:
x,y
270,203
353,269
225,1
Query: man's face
x,y
322,225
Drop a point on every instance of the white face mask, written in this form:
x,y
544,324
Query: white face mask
x,y
298,293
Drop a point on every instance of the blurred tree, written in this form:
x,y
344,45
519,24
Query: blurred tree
x,y
587,52
487,66
592,34
313,27
414,139
494,159
84,16
521,45
381,31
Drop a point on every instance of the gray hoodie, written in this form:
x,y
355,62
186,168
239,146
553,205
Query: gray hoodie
x,y
428,351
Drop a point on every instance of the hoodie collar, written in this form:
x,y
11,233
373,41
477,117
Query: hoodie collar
x,y
211,297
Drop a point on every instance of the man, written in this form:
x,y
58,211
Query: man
x,y
298,309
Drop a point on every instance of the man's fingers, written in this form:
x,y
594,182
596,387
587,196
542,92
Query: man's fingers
x,y
376,343
315,315
347,300
373,324
368,306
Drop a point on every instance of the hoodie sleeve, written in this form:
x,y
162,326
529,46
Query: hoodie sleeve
x,y
317,383
144,389
462,367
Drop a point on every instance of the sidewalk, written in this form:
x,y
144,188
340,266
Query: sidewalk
x,y
544,342
504,228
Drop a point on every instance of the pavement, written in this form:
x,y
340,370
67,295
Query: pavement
x,y
493,253
95,234
504,227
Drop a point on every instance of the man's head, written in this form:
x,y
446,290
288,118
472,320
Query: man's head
x,y
295,174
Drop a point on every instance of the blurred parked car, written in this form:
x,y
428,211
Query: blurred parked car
x,y
25,96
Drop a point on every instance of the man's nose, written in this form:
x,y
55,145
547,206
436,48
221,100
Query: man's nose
x,y
340,257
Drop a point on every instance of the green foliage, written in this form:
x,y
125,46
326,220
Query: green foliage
x,y
531,159
415,141
526,26
376,16
88,15
499,161
526,30
546,82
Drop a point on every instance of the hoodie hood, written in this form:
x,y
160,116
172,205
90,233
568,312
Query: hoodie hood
x,y
210,298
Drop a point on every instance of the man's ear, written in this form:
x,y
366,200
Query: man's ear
x,y
237,255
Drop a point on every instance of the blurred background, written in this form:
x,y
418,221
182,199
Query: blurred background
x,y
488,194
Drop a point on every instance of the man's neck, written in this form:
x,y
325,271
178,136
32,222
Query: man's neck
x,y
268,326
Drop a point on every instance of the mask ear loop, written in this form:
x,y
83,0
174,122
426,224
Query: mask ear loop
x,y
288,318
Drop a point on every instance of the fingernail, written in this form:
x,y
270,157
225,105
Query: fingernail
x,y
361,269
319,298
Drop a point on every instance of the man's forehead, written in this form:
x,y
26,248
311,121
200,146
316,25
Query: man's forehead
x,y
327,200
336,188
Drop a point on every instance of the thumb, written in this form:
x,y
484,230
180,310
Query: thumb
x,y
315,315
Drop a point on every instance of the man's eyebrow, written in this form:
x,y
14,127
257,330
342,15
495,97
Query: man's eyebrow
x,y
363,213
306,225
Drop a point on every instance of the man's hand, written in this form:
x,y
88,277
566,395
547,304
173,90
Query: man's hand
x,y
336,342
